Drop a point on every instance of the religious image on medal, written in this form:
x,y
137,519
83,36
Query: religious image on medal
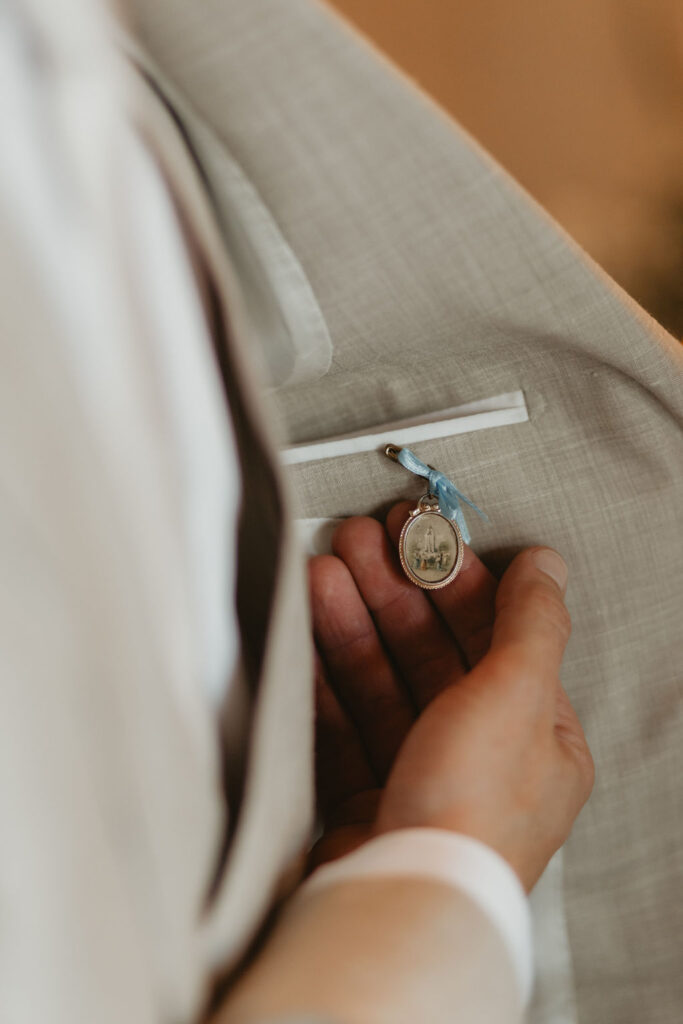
x,y
431,547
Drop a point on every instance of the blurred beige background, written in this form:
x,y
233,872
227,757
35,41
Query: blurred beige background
x,y
582,100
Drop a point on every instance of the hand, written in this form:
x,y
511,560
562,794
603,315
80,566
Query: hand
x,y
444,708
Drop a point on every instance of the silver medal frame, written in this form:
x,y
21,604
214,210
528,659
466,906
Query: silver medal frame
x,y
428,505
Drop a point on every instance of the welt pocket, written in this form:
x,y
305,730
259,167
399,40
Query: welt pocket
x,y
483,414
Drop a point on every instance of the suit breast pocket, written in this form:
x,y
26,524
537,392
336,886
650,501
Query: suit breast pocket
x,y
348,474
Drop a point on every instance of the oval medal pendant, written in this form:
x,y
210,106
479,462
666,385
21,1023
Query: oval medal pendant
x,y
430,547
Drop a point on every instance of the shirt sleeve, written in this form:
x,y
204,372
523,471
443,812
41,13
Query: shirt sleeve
x,y
110,800
458,860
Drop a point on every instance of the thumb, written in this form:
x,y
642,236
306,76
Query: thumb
x,y
531,625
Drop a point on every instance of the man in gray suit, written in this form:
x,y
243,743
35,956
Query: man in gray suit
x,y
193,205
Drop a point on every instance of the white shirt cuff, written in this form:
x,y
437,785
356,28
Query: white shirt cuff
x,y
459,861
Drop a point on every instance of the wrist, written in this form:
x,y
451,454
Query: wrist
x,y
527,864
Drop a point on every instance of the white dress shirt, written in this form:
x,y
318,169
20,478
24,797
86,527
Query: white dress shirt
x,y
155,400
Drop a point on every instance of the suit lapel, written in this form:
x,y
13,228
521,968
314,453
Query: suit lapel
x,y
276,810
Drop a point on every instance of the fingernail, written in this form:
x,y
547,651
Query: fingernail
x,y
549,562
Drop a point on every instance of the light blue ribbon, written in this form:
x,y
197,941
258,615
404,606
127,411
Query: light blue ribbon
x,y
445,490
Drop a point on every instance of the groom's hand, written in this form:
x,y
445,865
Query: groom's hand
x,y
444,709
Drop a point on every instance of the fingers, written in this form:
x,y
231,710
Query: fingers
x,y
467,604
364,680
342,768
532,625
421,646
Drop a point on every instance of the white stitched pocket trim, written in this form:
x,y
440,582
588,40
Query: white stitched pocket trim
x,y
497,411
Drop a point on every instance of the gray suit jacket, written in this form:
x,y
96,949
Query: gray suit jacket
x,y
441,282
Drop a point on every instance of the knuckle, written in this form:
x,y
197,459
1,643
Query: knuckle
x,y
584,767
383,706
551,609
587,771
